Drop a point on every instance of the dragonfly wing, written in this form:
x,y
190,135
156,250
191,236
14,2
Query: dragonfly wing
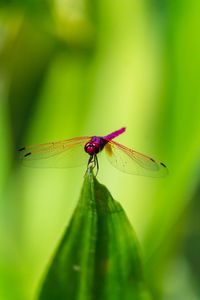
x,y
62,154
132,162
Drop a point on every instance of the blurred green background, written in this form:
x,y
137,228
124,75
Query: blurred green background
x,y
71,68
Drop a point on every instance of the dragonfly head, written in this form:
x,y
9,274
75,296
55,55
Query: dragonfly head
x,y
92,148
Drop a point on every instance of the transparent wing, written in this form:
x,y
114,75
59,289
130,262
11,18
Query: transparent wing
x,y
132,162
62,154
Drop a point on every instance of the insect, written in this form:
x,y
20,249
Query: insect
x,y
75,151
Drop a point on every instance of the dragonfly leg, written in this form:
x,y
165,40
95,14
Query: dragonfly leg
x,y
96,164
93,160
88,165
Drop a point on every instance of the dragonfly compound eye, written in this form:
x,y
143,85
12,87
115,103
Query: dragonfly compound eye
x,y
92,148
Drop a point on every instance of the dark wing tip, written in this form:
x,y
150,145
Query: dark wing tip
x,y
27,154
21,149
163,165
153,160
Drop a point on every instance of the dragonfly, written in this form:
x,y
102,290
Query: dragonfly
x,y
74,152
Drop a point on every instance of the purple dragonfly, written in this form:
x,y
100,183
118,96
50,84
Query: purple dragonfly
x,y
73,152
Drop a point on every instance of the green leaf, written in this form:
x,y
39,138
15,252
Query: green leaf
x,y
98,257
